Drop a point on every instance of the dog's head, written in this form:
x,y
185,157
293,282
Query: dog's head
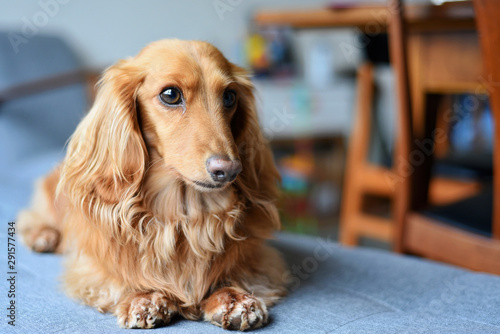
x,y
188,99
180,104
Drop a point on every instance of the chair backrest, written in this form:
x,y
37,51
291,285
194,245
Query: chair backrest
x,y
488,24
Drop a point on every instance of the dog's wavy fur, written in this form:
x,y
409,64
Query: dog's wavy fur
x,y
126,212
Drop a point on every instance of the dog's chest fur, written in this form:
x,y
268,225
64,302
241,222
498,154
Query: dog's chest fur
x,y
191,230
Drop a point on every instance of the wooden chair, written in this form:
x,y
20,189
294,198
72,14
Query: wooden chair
x,y
363,179
416,232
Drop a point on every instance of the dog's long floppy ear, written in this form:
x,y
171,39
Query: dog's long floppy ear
x,y
259,178
107,156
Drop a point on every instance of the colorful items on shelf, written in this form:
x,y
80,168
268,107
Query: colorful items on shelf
x,y
296,177
269,52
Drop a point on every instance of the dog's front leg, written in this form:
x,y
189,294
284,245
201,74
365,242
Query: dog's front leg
x,y
145,310
234,308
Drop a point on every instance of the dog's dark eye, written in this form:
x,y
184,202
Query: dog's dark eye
x,y
229,99
171,95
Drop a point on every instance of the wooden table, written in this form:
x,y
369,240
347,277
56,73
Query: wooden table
x,y
374,19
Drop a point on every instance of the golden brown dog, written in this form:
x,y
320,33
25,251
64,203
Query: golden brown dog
x,y
166,195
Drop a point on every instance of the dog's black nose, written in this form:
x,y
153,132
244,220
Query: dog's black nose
x,y
223,169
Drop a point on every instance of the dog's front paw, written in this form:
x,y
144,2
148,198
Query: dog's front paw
x,y
232,308
146,310
45,239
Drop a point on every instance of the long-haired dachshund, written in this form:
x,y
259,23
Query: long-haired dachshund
x,y
166,195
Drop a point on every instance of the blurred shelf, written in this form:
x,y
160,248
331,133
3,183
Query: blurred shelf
x,y
293,109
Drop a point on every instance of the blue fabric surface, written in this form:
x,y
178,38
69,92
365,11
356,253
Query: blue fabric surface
x,y
334,290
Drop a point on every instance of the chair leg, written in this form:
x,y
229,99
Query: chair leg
x,y
351,207
397,49
349,236
356,157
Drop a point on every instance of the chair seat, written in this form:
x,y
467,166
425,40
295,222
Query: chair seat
x,y
470,164
474,214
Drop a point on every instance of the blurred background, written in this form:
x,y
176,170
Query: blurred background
x,y
306,58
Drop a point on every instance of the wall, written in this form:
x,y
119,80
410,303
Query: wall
x,y
104,31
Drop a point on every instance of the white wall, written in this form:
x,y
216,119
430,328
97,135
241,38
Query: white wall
x,y
104,31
